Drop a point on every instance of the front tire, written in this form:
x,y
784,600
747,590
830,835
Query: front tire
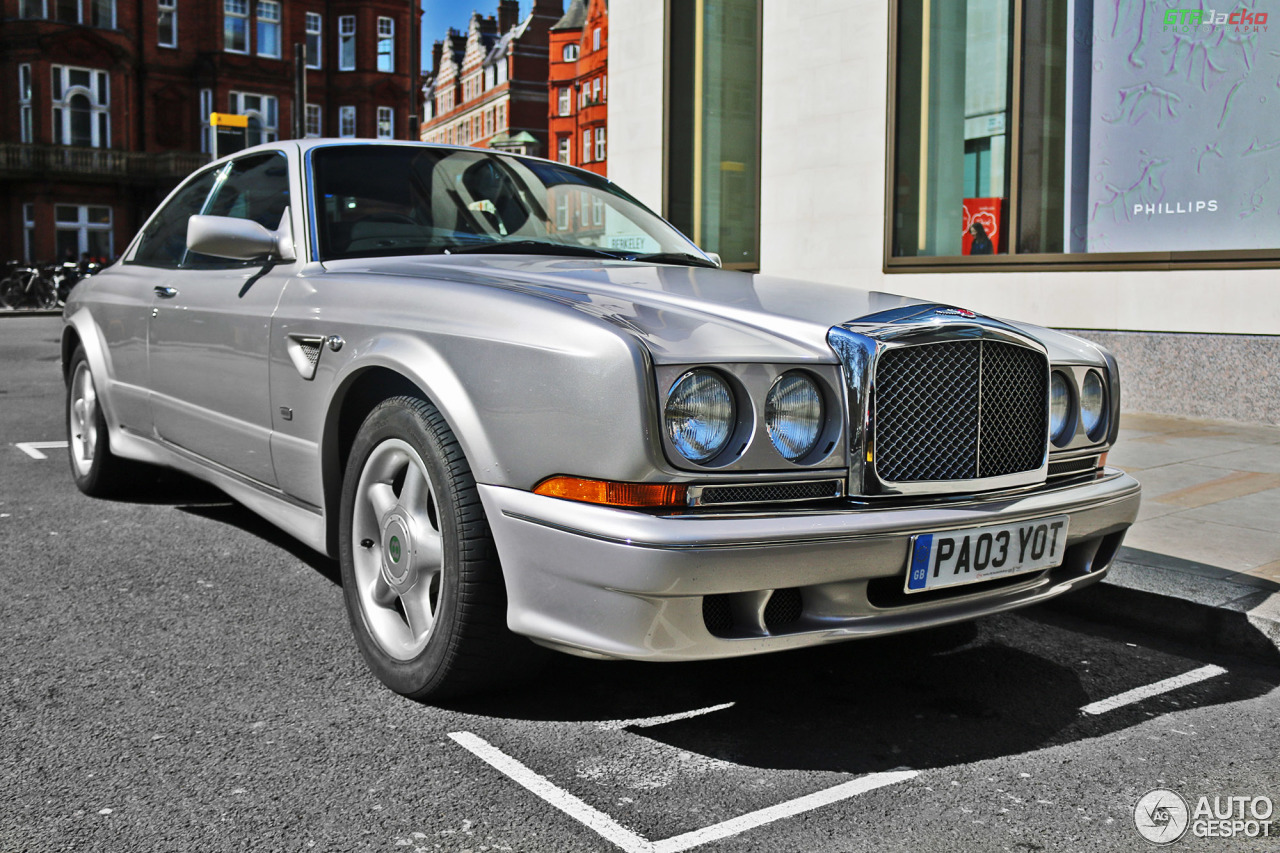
x,y
420,573
96,470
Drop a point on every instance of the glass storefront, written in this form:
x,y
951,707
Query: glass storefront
x,y
713,134
1084,127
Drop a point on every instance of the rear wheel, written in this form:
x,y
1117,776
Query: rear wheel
x,y
97,471
46,292
420,573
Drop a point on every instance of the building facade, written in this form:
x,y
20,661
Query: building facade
x,y
109,101
488,86
579,86
1092,166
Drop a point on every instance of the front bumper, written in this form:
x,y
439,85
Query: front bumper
x,y
615,583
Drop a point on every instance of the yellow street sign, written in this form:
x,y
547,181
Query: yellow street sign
x,y
228,120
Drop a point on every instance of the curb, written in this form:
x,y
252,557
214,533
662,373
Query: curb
x,y
1192,602
30,312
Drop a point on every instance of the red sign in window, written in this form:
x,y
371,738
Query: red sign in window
x,y
982,226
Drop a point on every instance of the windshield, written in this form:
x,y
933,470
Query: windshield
x,y
385,200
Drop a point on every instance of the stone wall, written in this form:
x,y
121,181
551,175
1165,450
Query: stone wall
x,y
1229,377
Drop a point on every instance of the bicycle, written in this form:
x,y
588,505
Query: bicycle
x,y
29,286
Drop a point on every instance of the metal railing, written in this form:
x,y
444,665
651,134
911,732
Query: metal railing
x,y
18,159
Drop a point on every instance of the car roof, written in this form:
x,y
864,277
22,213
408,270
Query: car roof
x,y
305,145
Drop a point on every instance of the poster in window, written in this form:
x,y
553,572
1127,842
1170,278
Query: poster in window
x,y
1184,128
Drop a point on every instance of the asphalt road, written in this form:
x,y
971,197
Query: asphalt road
x,y
177,675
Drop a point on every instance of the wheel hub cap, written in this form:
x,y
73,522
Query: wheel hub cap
x,y
398,552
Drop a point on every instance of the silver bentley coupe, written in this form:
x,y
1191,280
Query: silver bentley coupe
x,y
524,411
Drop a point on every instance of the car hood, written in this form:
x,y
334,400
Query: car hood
x,y
685,314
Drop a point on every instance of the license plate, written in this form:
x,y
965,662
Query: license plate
x,y
982,553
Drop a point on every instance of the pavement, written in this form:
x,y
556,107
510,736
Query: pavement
x,y
1203,560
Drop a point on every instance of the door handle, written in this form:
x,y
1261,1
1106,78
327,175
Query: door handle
x,y
166,292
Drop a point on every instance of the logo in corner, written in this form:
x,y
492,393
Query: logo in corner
x,y
1161,816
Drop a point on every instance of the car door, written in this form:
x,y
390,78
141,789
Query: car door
x,y
124,294
210,331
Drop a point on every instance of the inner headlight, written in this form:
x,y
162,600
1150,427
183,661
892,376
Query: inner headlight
x,y
793,415
1060,426
700,415
1093,405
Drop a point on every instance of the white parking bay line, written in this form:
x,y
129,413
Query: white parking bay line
x,y
575,808
648,722
791,808
34,448
1137,694
632,842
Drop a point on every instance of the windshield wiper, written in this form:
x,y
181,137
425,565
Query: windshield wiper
x,y
528,247
676,258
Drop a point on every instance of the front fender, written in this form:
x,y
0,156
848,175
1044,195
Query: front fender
x,y
423,366
79,326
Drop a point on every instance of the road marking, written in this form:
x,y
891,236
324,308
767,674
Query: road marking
x,y
33,448
592,818
647,722
788,809
1137,694
632,842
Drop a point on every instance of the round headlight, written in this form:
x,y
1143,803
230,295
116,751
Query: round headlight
x,y
1060,426
700,415
1093,405
793,415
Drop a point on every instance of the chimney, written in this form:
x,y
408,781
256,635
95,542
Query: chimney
x,y
549,8
508,15
437,50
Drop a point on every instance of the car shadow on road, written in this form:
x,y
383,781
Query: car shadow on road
x,y
930,699
196,497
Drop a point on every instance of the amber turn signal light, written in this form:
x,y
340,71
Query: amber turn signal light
x,y
612,494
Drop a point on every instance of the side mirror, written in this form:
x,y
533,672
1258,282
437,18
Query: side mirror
x,y
238,239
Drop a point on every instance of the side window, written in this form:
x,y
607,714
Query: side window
x,y
165,241
255,187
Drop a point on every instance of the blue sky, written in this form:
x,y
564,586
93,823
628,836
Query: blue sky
x,y
439,15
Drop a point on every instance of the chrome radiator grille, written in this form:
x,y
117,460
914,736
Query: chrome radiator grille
x,y
959,410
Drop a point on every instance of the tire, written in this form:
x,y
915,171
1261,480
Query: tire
x,y
420,573
46,292
9,289
96,470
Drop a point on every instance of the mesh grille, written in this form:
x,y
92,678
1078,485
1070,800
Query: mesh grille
x,y
1075,466
784,607
771,492
311,351
959,410
717,615
927,412
1011,434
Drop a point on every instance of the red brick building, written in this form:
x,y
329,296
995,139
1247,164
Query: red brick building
x,y
579,86
488,86
108,101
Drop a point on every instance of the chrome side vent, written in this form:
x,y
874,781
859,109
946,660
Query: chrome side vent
x,y
304,352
